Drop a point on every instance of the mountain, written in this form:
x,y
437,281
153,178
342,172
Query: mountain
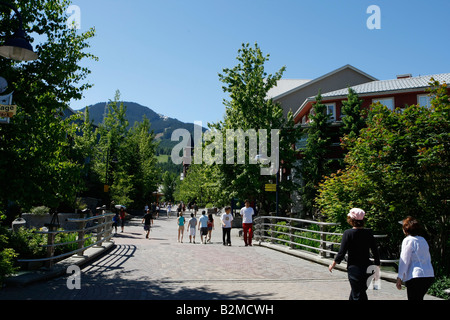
x,y
162,126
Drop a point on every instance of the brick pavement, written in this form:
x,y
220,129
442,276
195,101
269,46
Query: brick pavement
x,y
160,268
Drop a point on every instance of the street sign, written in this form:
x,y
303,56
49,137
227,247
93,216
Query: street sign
x,y
7,111
271,187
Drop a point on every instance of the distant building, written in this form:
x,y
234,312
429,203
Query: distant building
x,y
403,91
291,93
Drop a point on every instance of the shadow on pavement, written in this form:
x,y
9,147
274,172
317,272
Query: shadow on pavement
x,y
106,279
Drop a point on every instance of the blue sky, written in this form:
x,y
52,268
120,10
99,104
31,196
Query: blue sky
x,y
166,54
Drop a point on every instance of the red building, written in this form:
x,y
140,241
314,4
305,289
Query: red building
x,y
397,93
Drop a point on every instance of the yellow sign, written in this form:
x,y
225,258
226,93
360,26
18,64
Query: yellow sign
x,y
7,111
271,187
106,188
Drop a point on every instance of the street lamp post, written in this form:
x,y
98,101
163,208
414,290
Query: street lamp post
x,y
18,47
260,157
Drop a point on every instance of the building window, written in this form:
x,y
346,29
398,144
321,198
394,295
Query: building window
x,y
424,100
388,102
304,120
331,110
301,144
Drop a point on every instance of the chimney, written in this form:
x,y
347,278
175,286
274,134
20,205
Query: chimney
x,y
404,76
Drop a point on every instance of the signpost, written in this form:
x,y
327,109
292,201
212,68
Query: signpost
x,y
7,110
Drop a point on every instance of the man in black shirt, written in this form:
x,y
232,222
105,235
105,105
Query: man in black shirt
x,y
147,221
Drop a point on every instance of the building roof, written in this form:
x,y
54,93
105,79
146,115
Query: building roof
x,y
386,86
381,87
288,86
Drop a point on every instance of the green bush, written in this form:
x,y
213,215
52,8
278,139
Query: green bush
x,y
40,211
282,227
438,287
7,256
28,244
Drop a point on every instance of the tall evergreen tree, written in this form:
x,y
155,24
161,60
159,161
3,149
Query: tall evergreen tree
x,y
352,118
315,165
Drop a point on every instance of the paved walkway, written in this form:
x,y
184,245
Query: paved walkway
x,y
160,268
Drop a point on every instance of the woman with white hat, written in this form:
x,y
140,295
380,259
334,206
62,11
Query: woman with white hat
x,y
357,242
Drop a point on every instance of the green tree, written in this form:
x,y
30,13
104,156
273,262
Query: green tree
x,y
125,157
169,184
249,107
140,162
315,164
36,165
201,185
352,118
112,133
399,167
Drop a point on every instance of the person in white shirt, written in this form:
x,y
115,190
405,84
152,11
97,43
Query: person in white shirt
x,y
247,223
415,268
192,224
226,219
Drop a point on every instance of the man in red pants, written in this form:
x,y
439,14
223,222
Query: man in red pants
x,y
247,223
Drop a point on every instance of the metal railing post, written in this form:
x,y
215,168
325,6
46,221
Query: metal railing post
x,y
323,243
81,233
108,227
100,231
51,245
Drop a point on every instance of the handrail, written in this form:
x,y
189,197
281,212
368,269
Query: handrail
x,y
103,234
267,231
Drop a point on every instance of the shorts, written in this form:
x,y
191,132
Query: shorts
x,y
204,231
192,232
147,227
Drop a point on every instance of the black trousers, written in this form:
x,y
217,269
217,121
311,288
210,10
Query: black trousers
x,y
226,233
357,275
417,287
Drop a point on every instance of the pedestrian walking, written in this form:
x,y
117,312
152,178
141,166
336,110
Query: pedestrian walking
x,y
116,220
195,209
415,268
192,224
122,215
169,210
153,207
179,208
358,242
180,223
147,221
210,226
247,213
203,226
226,219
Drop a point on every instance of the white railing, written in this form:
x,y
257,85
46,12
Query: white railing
x,y
268,229
100,232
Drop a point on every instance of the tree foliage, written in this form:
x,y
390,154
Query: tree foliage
x,y
125,158
398,167
315,164
37,164
249,107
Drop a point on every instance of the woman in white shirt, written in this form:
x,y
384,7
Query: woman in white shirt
x,y
415,268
